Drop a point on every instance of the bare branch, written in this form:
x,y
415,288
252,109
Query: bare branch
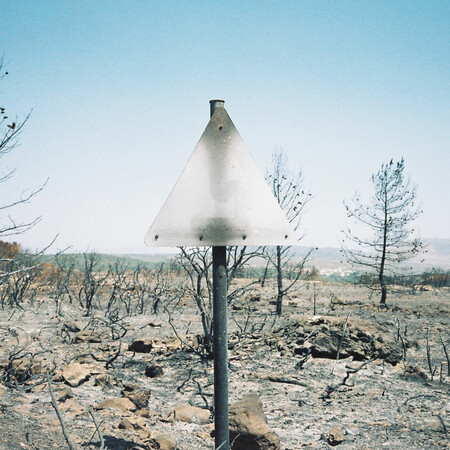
x,y
58,413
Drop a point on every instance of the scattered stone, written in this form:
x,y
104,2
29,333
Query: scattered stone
x,y
323,335
304,349
132,423
139,397
125,424
160,441
166,345
119,403
191,414
104,380
335,436
71,326
435,425
248,426
153,371
129,387
426,288
141,346
65,394
172,344
74,374
87,336
204,435
414,372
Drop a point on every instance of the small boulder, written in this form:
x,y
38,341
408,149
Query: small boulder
x,y
119,403
75,373
132,423
248,426
71,326
65,394
139,397
87,336
161,441
414,372
104,380
335,436
141,346
125,424
153,371
191,414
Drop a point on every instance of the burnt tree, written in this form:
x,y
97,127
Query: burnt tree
x,y
387,218
292,196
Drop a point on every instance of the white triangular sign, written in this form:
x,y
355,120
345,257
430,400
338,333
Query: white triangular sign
x,y
221,198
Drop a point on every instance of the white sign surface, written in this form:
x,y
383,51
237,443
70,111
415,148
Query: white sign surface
x,y
221,198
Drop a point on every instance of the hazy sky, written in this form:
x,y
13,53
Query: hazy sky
x,y
120,92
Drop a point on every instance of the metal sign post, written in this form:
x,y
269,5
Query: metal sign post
x,y
220,347
220,199
220,335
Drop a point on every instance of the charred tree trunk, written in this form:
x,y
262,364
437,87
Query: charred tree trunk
x,y
279,283
383,254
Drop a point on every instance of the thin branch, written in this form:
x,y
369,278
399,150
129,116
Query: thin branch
x,y
58,413
97,429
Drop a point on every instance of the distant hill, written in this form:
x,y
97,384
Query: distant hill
x,y
439,247
154,258
437,255
103,261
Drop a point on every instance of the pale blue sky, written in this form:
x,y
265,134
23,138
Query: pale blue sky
x,y
120,93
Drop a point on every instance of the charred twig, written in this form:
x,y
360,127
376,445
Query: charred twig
x,y
417,396
314,301
430,366
282,379
444,427
302,361
97,429
179,388
446,355
83,355
183,341
13,376
58,413
245,331
350,371
342,337
115,356
201,393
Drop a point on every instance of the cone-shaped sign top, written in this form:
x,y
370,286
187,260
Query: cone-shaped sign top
x,y
221,198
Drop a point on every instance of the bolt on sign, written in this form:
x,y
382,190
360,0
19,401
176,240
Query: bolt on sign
x,y
221,197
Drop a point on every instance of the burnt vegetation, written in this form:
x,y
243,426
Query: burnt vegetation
x,y
120,319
